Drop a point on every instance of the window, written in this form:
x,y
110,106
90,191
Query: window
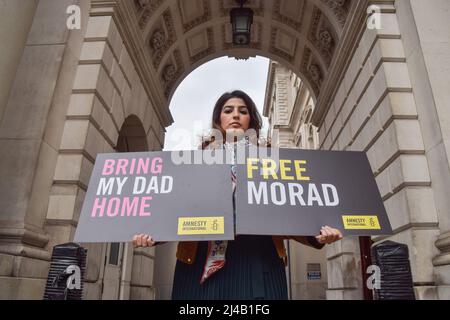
x,y
114,253
308,114
311,137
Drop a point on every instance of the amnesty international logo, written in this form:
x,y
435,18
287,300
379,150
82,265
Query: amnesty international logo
x,y
200,225
361,222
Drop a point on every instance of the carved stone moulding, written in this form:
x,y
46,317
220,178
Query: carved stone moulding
x,y
311,69
141,4
171,72
158,39
289,12
193,13
162,37
145,10
207,49
283,44
340,9
323,36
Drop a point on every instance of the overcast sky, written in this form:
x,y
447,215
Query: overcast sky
x,y
194,99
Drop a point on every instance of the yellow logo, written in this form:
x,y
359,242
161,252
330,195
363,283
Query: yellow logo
x,y
361,222
201,225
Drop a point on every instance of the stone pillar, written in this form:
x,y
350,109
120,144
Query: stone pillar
x,y
164,270
108,103
283,136
302,287
16,18
343,270
91,125
142,275
376,109
30,131
425,30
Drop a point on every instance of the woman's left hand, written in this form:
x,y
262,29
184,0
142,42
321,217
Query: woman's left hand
x,y
328,235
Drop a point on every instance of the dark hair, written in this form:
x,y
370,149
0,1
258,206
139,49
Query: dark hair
x,y
255,117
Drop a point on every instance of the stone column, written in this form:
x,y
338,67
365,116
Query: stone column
x,y
165,261
15,23
30,131
425,27
108,103
284,136
377,109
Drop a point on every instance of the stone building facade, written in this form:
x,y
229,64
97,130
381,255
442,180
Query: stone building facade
x,y
289,106
69,94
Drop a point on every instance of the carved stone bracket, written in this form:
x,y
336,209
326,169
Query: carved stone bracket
x,y
339,8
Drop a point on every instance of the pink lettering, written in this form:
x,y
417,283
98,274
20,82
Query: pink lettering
x,y
157,165
127,207
132,166
108,167
142,167
130,208
100,208
133,163
122,166
116,202
144,205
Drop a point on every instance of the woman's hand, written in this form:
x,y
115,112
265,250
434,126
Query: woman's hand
x,y
328,235
143,240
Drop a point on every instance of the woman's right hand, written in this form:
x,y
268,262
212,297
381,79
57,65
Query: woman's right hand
x,y
143,240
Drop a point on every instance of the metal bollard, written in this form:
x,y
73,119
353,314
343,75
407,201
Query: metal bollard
x,y
66,274
396,279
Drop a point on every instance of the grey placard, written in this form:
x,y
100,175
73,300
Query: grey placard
x,y
350,175
197,190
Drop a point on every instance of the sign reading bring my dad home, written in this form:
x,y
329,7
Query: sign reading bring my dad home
x,y
149,193
296,192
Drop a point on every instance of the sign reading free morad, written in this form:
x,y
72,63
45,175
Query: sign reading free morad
x,y
149,193
295,192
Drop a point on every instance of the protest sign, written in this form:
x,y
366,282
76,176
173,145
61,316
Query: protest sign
x,y
296,192
149,193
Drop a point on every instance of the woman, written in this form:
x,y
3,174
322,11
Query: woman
x,y
250,267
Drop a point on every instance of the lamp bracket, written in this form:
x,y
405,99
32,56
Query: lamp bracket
x,y
241,2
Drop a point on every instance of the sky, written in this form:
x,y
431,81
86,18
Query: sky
x,y
193,101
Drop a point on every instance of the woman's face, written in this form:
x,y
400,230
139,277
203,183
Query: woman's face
x,y
234,115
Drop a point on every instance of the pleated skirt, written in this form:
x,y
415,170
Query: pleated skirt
x,y
252,271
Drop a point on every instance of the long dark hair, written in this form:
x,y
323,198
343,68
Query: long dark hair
x,y
255,117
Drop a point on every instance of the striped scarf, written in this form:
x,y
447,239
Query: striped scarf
x,y
215,256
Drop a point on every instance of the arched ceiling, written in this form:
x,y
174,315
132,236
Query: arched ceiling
x,y
180,35
168,39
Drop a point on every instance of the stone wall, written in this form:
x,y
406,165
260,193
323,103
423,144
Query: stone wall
x,y
67,95
20,16
289,106
108,99
30,134
374,110
425,32
76,93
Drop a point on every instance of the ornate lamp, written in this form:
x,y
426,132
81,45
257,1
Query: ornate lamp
x,y
241,19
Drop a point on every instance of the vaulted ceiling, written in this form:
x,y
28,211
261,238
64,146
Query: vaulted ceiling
x,y
180,35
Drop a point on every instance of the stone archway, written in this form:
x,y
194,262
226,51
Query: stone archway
x,y
179,36
302,35
136,266
132,137
369,89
